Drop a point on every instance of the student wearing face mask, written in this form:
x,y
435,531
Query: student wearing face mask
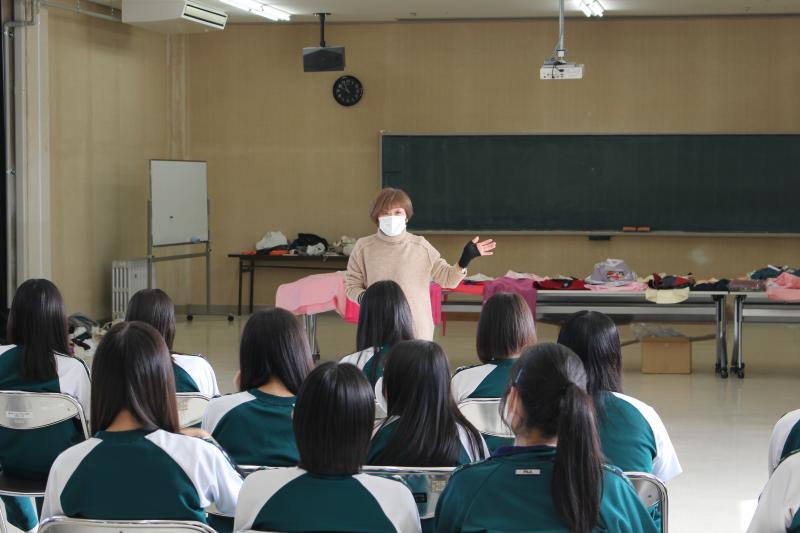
x,y
409,260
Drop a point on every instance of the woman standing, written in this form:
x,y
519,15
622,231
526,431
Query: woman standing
x,y
394,254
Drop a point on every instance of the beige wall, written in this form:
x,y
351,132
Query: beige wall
x,y
108,117
283,155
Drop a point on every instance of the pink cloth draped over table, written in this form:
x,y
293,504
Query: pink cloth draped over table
x,y
633,286
523,287
784,288
320,293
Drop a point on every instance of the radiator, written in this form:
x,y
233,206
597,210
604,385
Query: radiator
x,y
127,277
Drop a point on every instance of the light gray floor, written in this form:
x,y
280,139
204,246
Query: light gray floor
x,y
720,428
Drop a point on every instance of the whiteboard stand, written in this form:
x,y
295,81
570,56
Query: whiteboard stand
x,y
170,171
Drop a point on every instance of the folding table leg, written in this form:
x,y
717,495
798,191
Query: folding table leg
x,y
722,334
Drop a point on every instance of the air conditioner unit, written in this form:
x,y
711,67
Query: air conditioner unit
x,y
173,16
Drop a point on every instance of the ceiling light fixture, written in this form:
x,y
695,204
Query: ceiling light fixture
x,y
591,8
258,8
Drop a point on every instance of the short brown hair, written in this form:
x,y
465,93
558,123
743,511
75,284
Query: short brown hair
x,y
505,328
390,198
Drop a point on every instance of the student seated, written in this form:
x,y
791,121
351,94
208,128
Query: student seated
x,y
423,426
192,372
553,478
138,466
778,508
384,320
38,360
785,439
332,422
255,425
632,435
505,328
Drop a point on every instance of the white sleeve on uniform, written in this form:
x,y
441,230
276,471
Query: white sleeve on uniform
x,y
379,397
212,475
219,407
780,500
466,443
61,472
778,439
665,464
359,359
396,502
73,378
465,382
258,488
201,372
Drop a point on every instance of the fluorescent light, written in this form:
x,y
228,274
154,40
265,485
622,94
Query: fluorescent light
x,y
591,8
258,8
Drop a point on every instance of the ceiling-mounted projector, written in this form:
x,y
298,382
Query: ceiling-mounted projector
x,y
323,58
557,67
555,70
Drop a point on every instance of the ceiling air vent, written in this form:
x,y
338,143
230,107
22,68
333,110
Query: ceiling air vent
x,y
173,16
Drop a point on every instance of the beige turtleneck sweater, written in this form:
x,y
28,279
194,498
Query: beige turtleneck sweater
x,y
409,260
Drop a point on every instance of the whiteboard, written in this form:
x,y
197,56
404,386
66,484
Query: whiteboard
x,y
179,202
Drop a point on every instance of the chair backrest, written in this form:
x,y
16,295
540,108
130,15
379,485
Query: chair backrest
x,y
484,414
652,492
33,410
191,408
62,524
426,484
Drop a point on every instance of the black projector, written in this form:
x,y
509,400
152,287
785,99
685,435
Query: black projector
x,y
324,59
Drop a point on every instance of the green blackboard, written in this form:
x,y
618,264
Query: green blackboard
x,y
598,183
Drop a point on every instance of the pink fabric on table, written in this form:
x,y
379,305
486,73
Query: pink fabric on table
x,y
784,288
352,308
523,287
314,294
628,287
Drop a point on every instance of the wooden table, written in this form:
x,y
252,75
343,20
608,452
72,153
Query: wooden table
x,y
249,263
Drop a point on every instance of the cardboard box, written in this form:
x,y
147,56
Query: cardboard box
x,y
666,355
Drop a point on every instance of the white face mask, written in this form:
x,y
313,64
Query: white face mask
x,y
392,226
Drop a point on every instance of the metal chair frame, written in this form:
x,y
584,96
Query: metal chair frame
x,y
18,411
436,481
652,491
185,400
62,524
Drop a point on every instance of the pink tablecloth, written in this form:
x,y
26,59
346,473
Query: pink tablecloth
x,y
325,292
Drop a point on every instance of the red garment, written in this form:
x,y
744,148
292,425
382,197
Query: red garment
x,y
560,285
352,308
473,288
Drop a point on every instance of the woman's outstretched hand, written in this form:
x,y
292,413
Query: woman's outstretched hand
x,y
476,248
485,247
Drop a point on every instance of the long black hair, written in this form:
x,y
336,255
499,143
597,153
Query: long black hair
x,y
333,419
550,382
154,307
38,324
505,328
416,383
132,369
384,319
595,339
274,345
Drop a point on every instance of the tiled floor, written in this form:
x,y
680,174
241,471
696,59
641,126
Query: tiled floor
x,y
720,428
